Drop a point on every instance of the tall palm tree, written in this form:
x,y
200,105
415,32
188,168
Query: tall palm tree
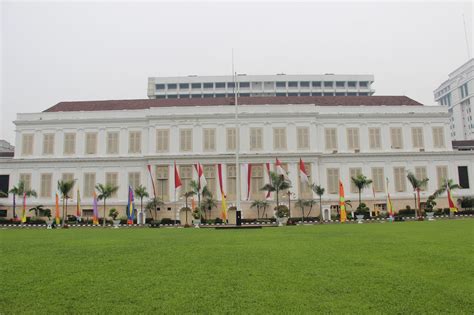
x,y
277,184
65,188
417,185
19,190
319,190
105,191
140,192
257,204
209,203
200,193
302,203
187,195
264,205
443,188
361,182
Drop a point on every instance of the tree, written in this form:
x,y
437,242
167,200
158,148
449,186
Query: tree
x,y
105,191
310,203
65,188
443,188
257,204
140,192
19,190
264,205
417,185
40,211
277,183
319,190
153,203
302,203
187,195
361,182
209,203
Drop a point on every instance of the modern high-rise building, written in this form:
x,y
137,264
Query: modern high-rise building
x,y
457,94
194,86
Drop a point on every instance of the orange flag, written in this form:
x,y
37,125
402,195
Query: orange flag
x,y
342,202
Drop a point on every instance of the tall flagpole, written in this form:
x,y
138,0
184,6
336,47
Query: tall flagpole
x,y
237,137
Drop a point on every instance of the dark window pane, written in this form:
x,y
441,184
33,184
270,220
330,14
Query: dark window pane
x,y
184,85
363,94
351,83
328,94
172,86
244,94
351,94
184,96
363,84
328,84
281,84
230,84
196,85
160,86
220,95
161,96
317,94
281,94
3,213
244,84
304,94
172,96
4,183
292,84
463,177
292,94
208,85
196,96
340,94
340,84
220,85
316,83
208,95
304,83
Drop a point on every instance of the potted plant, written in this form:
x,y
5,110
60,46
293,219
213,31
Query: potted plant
x,y
281,214
196,217
361,212
429,206
113,213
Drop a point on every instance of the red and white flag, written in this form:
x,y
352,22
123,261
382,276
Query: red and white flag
x,y
280,170
268,179
247,170
201,179
303,176
177,180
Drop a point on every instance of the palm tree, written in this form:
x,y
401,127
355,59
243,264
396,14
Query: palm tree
x,y
3,194
310,203
443,188
38,210
64,188
264,204
361,182
208,204
257,204
19,190
105,191
153,204
302,203
141,193
277,183
417,185
187,195
319,190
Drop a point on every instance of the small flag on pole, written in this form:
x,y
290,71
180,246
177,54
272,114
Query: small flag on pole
x,y
389,204
23,212
58,220
201,178
269,179
342,202
177,180
95,211
152,180
130,206
280,170
223,196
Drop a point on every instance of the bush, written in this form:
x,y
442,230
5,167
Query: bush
x,y
282,211
249,220
113,213
298,219
168,221
406,212
148,220
465,212
218,220
362,209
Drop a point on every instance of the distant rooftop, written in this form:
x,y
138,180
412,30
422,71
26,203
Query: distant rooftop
x,y
6,149
278,100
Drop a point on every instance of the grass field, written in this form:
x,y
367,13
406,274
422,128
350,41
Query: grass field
x,y
411,267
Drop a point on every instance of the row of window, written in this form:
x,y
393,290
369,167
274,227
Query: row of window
x,y
218,95
256,139
257,180
262,85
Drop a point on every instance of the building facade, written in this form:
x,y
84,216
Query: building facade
x,y
457,94
260,85
337,137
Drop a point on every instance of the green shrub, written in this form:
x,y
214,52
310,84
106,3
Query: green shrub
x,y
281,211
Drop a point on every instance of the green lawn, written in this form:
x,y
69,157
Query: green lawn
x,y
410,267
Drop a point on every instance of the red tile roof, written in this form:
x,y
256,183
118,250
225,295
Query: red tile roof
x,y
316,100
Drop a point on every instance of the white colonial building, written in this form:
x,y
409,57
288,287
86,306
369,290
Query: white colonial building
x,y
194,86
457,93
337,137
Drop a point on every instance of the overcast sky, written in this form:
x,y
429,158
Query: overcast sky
x,y
52,52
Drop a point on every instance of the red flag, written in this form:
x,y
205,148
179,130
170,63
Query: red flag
x,y
280,170
152,181
177,179
201,179
267,167
303,175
